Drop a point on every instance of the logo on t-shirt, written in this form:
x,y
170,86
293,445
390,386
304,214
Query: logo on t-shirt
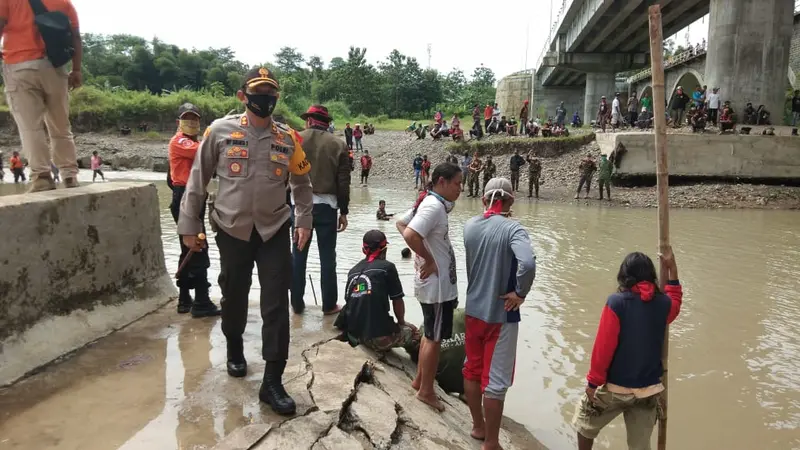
x,y
360,286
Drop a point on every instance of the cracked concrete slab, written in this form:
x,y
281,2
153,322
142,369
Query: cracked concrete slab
x,y
374,412
244,438
337,439
299,433
336,366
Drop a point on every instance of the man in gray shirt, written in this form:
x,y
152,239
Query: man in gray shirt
x,y
500,272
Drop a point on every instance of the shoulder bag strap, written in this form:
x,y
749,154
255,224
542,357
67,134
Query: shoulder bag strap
x,y
38,7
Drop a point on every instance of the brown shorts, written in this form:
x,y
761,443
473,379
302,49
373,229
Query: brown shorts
x,y
640,416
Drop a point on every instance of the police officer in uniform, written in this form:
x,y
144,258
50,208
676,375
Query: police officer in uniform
x,y
182,151
254,158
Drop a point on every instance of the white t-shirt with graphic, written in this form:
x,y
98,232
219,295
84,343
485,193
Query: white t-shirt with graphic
x,y
431,223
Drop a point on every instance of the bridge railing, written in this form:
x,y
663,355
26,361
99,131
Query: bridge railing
x,y
672,61
565,4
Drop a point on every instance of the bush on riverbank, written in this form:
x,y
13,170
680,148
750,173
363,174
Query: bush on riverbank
x,y
544,147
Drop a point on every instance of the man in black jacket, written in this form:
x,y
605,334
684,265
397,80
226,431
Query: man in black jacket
x,y
330,178
678,107
348,136
516,163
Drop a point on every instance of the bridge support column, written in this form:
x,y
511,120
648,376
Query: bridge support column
x,y
748,52
598,84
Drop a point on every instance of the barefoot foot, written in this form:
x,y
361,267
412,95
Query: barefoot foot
x,y
432,401
415,384
478,434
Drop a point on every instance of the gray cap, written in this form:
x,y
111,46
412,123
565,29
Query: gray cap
x,y
500,187
187,108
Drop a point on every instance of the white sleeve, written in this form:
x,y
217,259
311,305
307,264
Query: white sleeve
x,y
425,219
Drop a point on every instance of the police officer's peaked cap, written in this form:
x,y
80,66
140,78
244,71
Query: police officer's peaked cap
x,y
260,75
187,108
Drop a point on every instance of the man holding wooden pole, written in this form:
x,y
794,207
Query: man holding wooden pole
x,y
634,326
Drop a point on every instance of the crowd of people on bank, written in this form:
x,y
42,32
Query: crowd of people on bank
x,y
701,109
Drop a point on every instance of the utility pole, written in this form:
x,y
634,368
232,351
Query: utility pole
x,y
429,55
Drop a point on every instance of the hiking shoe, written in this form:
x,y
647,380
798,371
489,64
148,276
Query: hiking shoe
x,y
71,182
42,183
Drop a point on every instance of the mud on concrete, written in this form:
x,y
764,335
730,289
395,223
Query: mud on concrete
x,y
161,383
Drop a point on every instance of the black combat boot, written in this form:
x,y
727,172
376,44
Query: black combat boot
x,y
272,391
237,365
184,301
203,306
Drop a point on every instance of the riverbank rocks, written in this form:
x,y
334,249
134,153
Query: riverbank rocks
x,y
363,401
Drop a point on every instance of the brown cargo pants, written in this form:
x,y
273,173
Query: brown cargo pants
x,y
38,95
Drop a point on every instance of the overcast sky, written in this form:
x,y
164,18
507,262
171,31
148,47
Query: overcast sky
x,y
462,34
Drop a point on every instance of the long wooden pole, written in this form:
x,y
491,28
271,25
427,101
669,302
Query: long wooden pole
x,y
662,178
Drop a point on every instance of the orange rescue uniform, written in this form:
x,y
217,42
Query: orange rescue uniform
x,y
181,157
16,163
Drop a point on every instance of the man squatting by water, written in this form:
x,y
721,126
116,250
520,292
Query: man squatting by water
x,y
254,159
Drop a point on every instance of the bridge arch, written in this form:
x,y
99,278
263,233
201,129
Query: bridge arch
x,y
687,78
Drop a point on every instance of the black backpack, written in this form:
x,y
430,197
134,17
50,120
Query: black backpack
x,y
56,32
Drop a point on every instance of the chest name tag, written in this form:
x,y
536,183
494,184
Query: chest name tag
x,y
239,142
280,148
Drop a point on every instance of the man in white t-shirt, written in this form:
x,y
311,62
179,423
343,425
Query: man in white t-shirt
x,y
713,105
425,230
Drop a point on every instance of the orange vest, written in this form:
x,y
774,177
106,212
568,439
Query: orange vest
x,y
16,162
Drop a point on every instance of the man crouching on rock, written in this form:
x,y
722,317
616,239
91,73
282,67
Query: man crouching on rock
x,y
370,285
500,272
254,158
182,150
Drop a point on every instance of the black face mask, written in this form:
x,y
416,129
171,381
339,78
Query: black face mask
x,y
261,105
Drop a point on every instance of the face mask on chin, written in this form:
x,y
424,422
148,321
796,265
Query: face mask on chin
x,y
189,127
262,105
448,205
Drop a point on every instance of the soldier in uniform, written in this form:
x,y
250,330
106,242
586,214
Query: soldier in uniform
x,y
254,158
475,168
515,164
182,150
534,173
587,169
488,172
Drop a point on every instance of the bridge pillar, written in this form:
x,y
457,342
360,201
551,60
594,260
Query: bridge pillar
x,y
748,52
598,84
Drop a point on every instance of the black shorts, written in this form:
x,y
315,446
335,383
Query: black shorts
x,y
364,172
438,320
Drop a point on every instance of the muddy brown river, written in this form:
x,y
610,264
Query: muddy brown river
x,y
735,354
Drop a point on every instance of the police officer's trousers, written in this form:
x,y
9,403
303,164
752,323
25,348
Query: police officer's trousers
x,y
273,259
474,185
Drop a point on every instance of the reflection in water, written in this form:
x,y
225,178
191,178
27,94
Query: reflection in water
x,y
735,349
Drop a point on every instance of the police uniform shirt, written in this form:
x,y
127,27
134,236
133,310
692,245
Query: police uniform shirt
x,y
253,166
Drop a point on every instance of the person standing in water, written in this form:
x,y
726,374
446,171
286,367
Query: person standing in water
x,y
366,165
425,228
501,268
516,164
626,369
182,151
97,164
604,178
17,167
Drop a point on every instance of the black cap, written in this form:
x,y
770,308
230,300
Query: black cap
x,y
375,239
188,108
260,75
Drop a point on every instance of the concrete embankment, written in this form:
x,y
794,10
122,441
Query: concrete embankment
x,y
76,265
766,159
160,383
